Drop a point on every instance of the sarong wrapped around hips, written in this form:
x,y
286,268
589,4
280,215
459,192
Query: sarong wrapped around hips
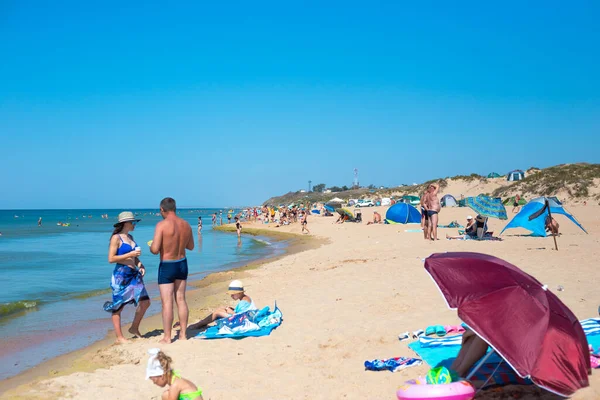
x,y
127,287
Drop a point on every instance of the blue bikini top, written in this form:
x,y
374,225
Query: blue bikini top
x,y
125,247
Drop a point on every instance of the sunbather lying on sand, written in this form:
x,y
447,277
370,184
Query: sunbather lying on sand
x,y
236,290
160,372
472,349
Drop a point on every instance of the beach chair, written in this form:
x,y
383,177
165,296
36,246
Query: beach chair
x,y
481,226
357,215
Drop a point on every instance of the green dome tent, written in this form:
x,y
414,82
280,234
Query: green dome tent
x,y
494,175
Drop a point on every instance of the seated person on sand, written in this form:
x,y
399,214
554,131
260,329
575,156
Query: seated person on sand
x,y
376,218
159,371
551,226
472,349
236,290
341,219
470,229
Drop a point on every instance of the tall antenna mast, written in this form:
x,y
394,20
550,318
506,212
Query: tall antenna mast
x,y
309,185
355,184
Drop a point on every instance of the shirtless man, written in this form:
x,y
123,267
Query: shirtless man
x,y
433,208
172,237
376,218
551,226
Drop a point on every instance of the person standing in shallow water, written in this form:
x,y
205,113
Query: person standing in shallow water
x,y
200,225
127,280
172,237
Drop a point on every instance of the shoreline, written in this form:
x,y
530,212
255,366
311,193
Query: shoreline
x,y
343,302
90,358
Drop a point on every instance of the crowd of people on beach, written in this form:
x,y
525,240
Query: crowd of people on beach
x,y
173,237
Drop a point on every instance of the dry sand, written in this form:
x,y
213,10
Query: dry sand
x,y
343,303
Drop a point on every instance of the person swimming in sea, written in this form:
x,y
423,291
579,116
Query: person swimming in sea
x,y
159,371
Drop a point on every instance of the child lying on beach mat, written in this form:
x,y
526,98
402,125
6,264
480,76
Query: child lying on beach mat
x,y
236,291
249,323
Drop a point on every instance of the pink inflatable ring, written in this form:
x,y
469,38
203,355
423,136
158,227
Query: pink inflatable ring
x,y
413,390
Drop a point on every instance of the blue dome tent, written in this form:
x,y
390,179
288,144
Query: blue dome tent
x,y
402,213
537,225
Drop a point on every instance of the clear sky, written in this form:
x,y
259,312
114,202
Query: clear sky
x,y
119,104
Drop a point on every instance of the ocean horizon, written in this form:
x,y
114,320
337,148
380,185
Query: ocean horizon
x,y
57,276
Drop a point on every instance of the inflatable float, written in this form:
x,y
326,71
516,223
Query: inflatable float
x,y
419,390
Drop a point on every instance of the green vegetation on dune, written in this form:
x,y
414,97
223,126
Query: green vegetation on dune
x,y
576,179
313,197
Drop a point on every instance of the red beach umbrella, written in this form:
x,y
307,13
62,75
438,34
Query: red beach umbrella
x,y
525,323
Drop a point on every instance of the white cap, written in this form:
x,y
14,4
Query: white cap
x,y
153,368
469,217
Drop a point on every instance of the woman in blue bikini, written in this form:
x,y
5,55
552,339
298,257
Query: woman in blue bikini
x,y
127,282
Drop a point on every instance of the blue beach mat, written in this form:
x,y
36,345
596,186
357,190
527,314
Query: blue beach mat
x,y
250,323
442,352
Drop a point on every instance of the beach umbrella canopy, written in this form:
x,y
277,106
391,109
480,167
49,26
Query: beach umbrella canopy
x,y
336,200
346,212
525,323
487,207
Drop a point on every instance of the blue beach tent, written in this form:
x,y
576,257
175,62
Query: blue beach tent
x,y
402,213
537,225
329,208
515,175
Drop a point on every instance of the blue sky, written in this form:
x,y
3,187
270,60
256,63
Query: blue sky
x,y
228,104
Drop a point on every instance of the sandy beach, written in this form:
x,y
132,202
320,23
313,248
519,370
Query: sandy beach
x,y
346,293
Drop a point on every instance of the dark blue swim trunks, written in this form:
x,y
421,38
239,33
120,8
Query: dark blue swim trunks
x,y
169,271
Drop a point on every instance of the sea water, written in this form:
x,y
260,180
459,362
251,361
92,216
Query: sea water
x,y
55,278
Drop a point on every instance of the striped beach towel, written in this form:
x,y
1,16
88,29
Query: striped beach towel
x,y
437,351
455,340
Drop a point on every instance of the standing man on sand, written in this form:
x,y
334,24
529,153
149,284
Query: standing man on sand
x,y
433,208
424,220
172,236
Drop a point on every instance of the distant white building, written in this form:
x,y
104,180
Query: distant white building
x,y
302,191
327,191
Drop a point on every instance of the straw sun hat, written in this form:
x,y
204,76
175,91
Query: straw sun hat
x,y
235,287
126,216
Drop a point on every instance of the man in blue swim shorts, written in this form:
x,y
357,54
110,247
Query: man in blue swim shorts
x,y
172,237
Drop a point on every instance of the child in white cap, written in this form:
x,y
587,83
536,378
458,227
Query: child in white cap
x,y
160,372
236,290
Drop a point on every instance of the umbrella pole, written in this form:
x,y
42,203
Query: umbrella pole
x,y
480,363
